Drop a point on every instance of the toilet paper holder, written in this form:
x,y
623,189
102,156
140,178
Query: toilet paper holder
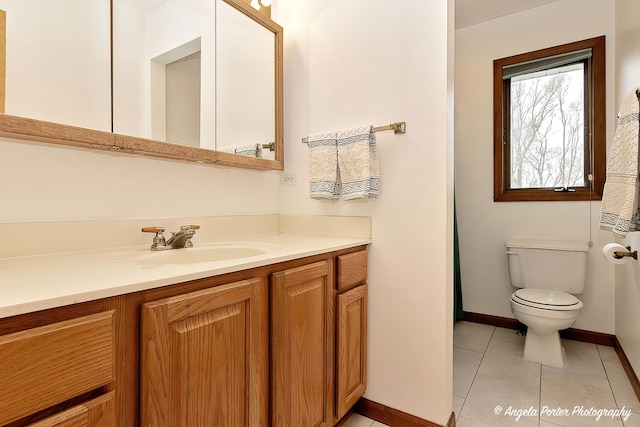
x,y
630,254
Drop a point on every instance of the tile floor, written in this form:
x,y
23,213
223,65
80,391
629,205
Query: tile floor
x,y
357,420
492,384
489,375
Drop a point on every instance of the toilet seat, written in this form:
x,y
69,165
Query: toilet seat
x,y
546,299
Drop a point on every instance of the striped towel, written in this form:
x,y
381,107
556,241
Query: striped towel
x,y
619,212
358,163
324,181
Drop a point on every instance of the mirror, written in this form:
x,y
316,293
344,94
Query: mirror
x,y
164,70
58,69
199,75
245,76
133,106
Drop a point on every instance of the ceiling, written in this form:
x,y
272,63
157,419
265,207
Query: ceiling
x,y
472,12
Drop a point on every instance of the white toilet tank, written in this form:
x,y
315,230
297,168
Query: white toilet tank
x,y
548,264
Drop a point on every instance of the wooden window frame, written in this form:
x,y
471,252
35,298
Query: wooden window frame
x,y
596,142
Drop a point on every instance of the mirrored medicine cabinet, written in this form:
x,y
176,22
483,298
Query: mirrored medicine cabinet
x,y
196,80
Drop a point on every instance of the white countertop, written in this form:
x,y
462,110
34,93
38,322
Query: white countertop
x,y
32,283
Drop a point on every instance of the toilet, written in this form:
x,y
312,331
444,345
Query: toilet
x,y
548,274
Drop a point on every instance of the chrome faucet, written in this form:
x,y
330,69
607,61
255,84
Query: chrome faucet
x,y
178,240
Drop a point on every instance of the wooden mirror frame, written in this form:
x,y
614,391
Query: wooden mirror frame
x,y
58,134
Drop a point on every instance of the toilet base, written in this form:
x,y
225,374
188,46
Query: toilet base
x,y
545,349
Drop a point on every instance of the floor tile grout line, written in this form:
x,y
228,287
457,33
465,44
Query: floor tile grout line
x,y
613,393
466,349
484,352
478,368
540,395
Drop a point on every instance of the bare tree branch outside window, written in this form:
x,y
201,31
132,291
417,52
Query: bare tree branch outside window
x,y
547,122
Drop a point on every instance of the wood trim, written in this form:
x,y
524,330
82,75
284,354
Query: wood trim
x,y
631,374
54,133
452,420
570,334
597,127
33,130
394,417
487,319
147,147
588,336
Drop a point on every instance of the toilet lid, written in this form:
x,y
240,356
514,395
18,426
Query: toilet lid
x,y
546,299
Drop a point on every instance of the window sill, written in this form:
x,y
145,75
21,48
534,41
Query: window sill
x,y
545,195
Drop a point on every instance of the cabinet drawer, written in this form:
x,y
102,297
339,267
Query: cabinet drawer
x,y
98,412
44,366
352,269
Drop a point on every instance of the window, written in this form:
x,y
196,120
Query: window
x,y
549,123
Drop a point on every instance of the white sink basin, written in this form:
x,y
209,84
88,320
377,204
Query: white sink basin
x,y
206,253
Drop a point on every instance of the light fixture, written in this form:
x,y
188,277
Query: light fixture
x,y
257,4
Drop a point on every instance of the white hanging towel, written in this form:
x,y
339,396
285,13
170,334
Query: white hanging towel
x,y
358,163
619,213
323,166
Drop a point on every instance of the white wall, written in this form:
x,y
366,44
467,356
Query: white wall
x,y
46,183
484,225
628,275
357,62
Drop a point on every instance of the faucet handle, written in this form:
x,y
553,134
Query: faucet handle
x,y
189,231
152,229
189,227
158,239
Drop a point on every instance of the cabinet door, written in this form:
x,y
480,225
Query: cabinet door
x,y
302,346
351,351
98,412
204,359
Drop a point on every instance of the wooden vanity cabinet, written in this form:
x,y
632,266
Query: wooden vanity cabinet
x,y
318,341
278,345
302,355
351,330
204,358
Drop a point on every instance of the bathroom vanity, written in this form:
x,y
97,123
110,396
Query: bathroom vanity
x,y
277,338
